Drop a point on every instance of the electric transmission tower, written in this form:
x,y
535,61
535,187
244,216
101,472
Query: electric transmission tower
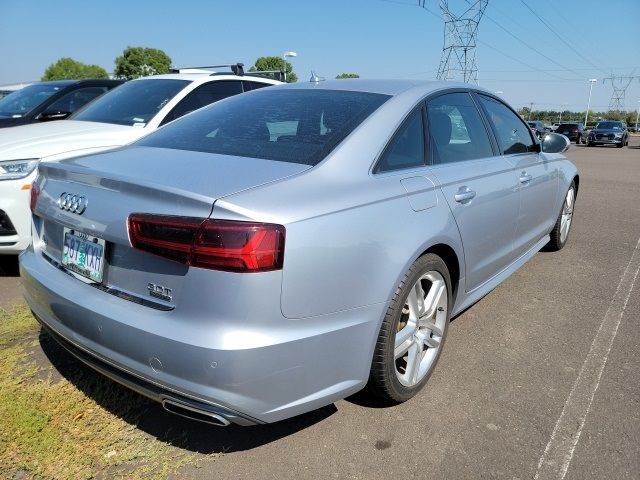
x,y
458,61
619,83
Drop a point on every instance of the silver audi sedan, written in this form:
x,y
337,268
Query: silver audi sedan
x,y
285,248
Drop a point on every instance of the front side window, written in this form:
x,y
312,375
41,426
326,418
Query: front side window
x,y
406,149
204,95
132,103
513,134
21,102
72,101
456,129
289,125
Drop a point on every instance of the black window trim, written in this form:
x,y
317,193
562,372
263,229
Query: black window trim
x,y
375,170
534,139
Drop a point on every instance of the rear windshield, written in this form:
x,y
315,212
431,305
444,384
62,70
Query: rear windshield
x,y
132,103
568,125
290,125
610,125
22,101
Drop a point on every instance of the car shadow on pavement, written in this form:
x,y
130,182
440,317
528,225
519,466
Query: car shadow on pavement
x,y
151,418
9,266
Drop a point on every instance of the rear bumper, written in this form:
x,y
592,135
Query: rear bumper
x,y
14,202
302,365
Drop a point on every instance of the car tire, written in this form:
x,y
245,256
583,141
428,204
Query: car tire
x,y
413,331
578,141
562,227
619,145
589,144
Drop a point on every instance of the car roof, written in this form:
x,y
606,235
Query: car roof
x,y
384,86
204,77
57,83
66,83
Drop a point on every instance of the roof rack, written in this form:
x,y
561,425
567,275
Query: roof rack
x,y
275,74
236,68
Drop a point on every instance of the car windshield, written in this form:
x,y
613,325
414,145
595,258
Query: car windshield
x,y
290,125
22,101
609,126
134,103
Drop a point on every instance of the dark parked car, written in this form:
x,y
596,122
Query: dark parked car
x,y
46,101
609,133
538,128
574,131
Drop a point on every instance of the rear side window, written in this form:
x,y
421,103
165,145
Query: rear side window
x,y
254,85
133,103
456,129
406,149
289,125
513,134
202,96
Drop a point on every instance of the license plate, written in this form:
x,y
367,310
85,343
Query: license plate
x,y
83,254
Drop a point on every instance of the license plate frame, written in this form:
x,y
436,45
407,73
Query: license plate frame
x,y
83,255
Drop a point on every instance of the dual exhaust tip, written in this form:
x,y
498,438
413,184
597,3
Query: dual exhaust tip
x,y
192,412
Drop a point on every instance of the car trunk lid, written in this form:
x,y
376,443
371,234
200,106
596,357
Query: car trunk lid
x,y
110,187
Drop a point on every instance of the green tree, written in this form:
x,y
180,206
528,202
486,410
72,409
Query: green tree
x,y
140,61
69,69
274,63
347,75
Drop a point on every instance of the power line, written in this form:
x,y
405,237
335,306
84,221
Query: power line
x,y
532,48
559,37
422,4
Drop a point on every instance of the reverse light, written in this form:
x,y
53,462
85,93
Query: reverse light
x,y
16,169
228,245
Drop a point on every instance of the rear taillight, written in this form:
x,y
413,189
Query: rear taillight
x,y
35,193
207,243
575,130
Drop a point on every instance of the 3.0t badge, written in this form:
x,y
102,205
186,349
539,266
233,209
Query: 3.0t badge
x,y
158,291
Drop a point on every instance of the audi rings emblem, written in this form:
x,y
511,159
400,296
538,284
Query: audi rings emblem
x,y
72,203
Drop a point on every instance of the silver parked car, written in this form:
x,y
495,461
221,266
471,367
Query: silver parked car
x,y
282,249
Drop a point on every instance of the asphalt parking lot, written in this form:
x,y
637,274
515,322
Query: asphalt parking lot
x,y
541,378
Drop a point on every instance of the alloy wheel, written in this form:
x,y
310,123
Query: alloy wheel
x,y
419,332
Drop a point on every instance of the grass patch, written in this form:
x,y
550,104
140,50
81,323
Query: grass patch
x,y
52,428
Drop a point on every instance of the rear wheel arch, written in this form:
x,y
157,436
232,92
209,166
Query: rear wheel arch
x,y
576,181
450,258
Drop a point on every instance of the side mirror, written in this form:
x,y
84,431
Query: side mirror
x,y
555,143
47,116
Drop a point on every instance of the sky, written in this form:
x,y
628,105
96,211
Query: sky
x,y
547,60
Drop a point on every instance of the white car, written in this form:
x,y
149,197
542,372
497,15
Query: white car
x,y
117,118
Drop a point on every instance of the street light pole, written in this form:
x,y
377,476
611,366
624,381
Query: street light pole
x,y
284,60
530,110
586,115
637,115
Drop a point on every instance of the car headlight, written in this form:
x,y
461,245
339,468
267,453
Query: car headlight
x,y
618,135
16,169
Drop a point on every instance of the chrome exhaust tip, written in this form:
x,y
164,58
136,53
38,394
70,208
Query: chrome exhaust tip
x,y
195,413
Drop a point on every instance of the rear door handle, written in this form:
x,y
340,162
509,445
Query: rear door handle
x,y
525,177
465,194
